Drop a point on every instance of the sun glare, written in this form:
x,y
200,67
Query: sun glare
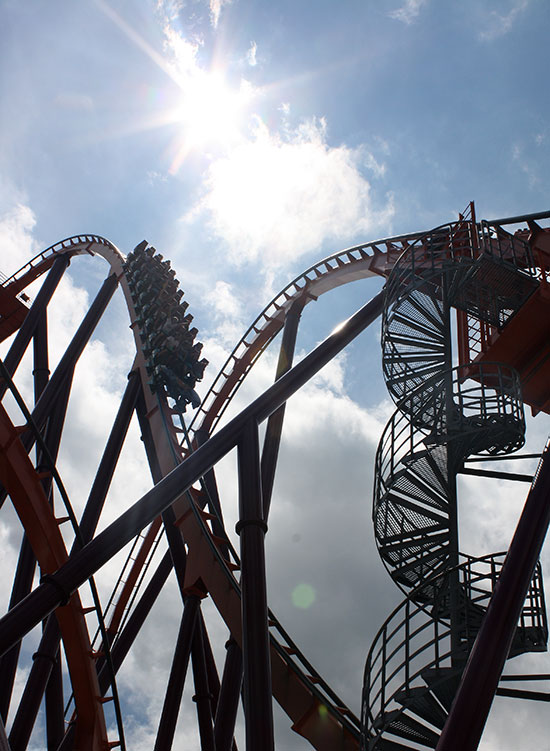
x,y
211,114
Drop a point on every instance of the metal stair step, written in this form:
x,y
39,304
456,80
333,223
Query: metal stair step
x,y
412,535
422,511
404,726
420,701
407,487
413,553
443,683
408,480
425,540
429,457
420,374
410,569
423,476
434,314
430,327
421,565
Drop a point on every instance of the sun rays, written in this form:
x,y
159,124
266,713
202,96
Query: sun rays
x,y
204,111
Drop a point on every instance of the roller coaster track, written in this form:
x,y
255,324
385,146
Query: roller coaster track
x,y
443,416
297,685
211,560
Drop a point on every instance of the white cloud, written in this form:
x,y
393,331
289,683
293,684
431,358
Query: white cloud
x,y
408,12
227,313
216,9
18,245
170,8
251,55
210,112
498,24
278,195
182,60
525,164
320,531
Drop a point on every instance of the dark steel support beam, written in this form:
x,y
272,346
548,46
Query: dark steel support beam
x,y
85,562
27,563
74,350
517,693
41,369
496,475
473,700
176,681
274,427
126,638
230,692
147,438
211,487
4,744
256,656
55,710
53,430
43,661
38,308
107,465
203,696
24,575
213,677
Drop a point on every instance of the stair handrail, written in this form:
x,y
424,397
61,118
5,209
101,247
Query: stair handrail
x,y
411,630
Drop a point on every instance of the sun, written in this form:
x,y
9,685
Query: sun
x,y
211,114
208,113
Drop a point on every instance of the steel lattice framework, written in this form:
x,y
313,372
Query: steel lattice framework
x,y
417,690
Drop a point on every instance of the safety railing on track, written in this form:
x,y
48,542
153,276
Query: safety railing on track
x,y
77,243
305,287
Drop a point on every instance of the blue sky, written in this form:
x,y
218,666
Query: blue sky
x,y
247,141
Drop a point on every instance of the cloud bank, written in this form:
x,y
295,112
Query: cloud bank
x,y
279,195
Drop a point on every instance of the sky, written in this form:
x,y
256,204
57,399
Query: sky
x,y
246,141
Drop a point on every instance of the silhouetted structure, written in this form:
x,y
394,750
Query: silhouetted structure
x,y
497,284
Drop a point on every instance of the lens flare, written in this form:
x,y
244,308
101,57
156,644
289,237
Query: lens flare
x,y
303,596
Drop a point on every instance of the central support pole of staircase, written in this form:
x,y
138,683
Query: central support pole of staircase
x,y
450,417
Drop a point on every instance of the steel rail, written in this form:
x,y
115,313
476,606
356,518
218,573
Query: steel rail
x,y
357,262
84,562
79,540
329,269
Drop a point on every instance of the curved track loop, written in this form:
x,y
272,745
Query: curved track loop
x,y
361,261
76,245
14,303
444,414
297,686
24,485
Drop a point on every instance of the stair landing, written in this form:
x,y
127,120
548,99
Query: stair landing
x,y
524,344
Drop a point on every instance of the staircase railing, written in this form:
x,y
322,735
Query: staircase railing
x,y
412,644
444,414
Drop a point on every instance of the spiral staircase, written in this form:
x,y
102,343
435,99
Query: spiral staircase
x,y
444,414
